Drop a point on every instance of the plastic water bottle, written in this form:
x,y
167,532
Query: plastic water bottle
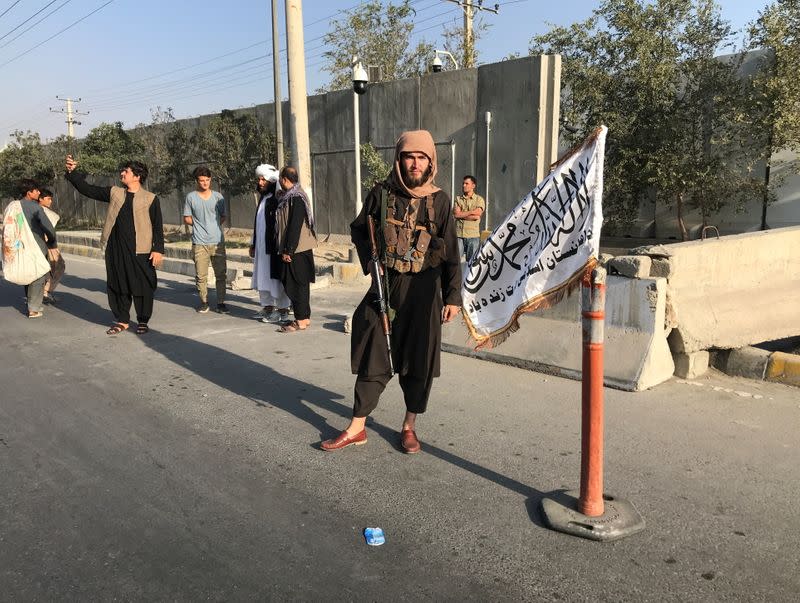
x,y
374,536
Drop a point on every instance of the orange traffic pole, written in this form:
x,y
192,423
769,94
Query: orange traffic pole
x,y
593,301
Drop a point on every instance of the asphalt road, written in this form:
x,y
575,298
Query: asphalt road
x,y
182,465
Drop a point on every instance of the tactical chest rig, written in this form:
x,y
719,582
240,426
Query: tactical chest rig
x,y
407,241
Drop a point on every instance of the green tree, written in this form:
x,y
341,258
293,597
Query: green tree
x,y
56,150
176,171
647,70
775,35
152,138
380,36
375,168
167,151
456,43
232,144
24,157
108,145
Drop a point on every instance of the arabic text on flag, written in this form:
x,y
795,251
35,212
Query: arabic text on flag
x,y
541,250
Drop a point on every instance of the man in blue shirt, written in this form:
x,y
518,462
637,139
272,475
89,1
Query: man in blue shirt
x,y
205,211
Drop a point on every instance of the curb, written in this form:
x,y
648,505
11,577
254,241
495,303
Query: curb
x,y
178,260
784,368
754,363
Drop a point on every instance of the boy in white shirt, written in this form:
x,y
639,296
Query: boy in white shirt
x,y
57,264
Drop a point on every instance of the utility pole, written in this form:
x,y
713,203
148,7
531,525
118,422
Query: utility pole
x,y
469,37
71,122
276,76
298,106
469,40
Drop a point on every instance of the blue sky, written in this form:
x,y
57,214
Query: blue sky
x,y
124,57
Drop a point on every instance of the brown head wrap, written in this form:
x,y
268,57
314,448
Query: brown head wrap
x,y
416,141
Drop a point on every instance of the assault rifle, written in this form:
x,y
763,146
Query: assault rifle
x,y
380,290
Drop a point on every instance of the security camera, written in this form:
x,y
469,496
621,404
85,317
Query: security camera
x,y
436,65
360,79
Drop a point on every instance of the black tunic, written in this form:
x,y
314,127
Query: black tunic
x,y
270,202
127,272
301,269
416,298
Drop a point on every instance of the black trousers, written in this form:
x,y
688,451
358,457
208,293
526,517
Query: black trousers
x,y
120,304
368,390
299,293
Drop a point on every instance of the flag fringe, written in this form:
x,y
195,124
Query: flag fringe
x,y
577,148
548,299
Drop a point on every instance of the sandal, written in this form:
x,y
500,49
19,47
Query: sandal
x,y
142,328
35,314
117,328
291,327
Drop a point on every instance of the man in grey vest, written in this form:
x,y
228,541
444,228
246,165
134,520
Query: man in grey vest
x,y
133,237
295,242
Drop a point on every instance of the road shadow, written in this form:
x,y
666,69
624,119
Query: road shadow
x,y
170,292
82,308
80,282
13,296
262,385
259,383
265,387
334,322
534,505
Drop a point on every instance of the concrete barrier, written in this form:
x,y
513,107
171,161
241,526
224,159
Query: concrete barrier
x,y
637,355
732,291
178,259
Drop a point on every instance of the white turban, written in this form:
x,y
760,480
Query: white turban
x,y
268,172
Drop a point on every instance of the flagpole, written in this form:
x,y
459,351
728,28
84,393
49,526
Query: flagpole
x,y
486,196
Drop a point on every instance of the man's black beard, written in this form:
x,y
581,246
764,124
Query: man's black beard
x,y
415,182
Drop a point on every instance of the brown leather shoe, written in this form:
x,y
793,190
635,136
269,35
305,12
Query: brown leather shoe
x,y
409,441
343,440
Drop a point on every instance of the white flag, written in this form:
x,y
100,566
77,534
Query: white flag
x,y
541,250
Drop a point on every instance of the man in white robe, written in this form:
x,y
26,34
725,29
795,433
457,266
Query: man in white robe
x,y
272,295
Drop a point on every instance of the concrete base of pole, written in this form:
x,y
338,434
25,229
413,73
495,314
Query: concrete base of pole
x,y
619,520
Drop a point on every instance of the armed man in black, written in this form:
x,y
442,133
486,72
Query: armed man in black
x,y
420,257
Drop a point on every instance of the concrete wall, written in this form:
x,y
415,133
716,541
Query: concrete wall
x,y
660,221
637,355
733,291
666,307
451,104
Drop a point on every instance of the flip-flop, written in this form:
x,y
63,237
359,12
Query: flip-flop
x,y
117,328
292,327
35,314
142,328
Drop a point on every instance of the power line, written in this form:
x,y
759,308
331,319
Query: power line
x,y
166,85
228,76
122,101
55,35
264,41
3,14
13,29
157,91
211,60
203,93
30,27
